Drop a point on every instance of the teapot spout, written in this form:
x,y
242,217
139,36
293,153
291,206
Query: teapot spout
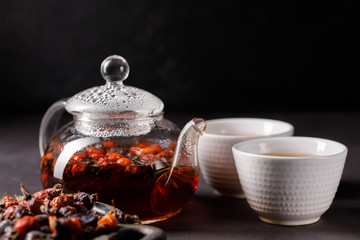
x,y
186,149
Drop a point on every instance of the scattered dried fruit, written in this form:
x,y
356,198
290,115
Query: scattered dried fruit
x,y
51,214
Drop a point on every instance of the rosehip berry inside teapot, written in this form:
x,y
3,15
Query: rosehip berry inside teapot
x,y
120,146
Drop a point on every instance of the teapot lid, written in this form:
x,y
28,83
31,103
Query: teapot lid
x,y
114,99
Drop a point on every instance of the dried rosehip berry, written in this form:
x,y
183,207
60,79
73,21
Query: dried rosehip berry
x,y
52,223
67,211
43,219
20,211
9,212
80,208
68,228
11,203
95,151
40,195
77,169
53,210
34,205
43,195
62,201
148,158
85,198
165,155
119,215
23,203
142,149
113,156
103,161
26,224
135,170
88,220
77,158
124,161
106,222
109,144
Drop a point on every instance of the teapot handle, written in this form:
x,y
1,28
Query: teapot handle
x,y
49,123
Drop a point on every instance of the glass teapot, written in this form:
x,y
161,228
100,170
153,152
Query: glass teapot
x,y
119,146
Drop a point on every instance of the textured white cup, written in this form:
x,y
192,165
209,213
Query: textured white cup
x,y
215,156
290,190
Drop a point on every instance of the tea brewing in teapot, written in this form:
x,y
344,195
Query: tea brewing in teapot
x,y
120,146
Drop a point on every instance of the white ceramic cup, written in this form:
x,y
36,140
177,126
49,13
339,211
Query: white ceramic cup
x,y
290,180
215,156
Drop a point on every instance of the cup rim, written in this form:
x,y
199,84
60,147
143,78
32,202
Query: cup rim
x,y
343,148
209,122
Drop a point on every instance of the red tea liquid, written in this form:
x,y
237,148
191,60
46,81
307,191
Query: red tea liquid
x,y
136,188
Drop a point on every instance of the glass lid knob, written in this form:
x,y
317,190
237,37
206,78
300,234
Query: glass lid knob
x,y
115,98
114,69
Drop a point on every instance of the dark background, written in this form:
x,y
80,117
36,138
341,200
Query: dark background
x,y
197,56
293,61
